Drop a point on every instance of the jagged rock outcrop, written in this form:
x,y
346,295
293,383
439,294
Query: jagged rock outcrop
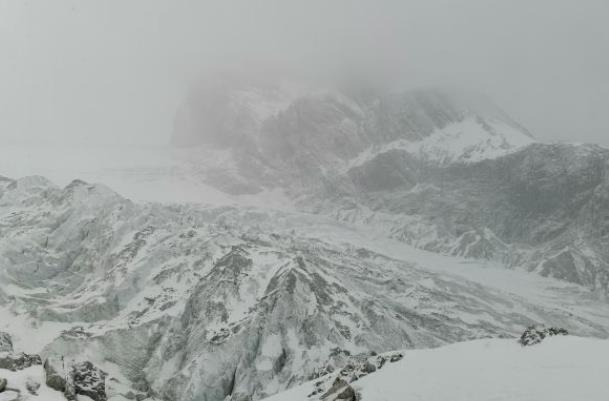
x,y
333,382
18,361
535,335
89,380
72,379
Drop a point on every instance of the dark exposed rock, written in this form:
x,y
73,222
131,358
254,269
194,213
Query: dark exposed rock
x,y
55,373
535,335
20,361
3,383
81,378
75,332
90,381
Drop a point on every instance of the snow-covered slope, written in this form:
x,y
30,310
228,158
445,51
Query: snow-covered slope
x,y
559,369
470,140
187,302
327,225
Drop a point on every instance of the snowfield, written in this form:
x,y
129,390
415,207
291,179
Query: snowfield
x,y
559,369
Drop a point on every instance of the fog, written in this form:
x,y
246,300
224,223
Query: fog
x,y
114,71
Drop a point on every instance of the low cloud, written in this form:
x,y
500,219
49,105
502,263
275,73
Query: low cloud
x,y
115,71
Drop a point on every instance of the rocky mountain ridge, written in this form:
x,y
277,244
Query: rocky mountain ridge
x,y
189,303
444,171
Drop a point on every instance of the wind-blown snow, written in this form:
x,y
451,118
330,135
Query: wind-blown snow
x,y
559,369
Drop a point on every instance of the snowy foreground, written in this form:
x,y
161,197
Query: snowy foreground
x,y
561,368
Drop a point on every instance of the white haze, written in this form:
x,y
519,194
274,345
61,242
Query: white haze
x,y
114,71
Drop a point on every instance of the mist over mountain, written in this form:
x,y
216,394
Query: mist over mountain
x,y
400,220
316,201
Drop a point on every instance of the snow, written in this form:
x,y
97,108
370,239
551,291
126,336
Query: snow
x,y
169,176
30,335
17,380
566,299
142,174
559,369
271,350
470,140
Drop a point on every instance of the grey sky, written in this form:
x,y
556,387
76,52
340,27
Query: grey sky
x,y
114,71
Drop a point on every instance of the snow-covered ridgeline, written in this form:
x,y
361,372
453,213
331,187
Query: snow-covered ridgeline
x,y
559,369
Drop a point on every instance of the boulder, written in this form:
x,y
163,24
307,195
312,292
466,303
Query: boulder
x,y
55,373
6,342
90,381
3,384
15,362
80,378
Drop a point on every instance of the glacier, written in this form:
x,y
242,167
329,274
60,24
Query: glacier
x,y
295,229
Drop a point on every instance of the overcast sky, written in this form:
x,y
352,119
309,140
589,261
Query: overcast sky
x,y
114,71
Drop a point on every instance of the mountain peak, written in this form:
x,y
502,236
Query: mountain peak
x,y
294,132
